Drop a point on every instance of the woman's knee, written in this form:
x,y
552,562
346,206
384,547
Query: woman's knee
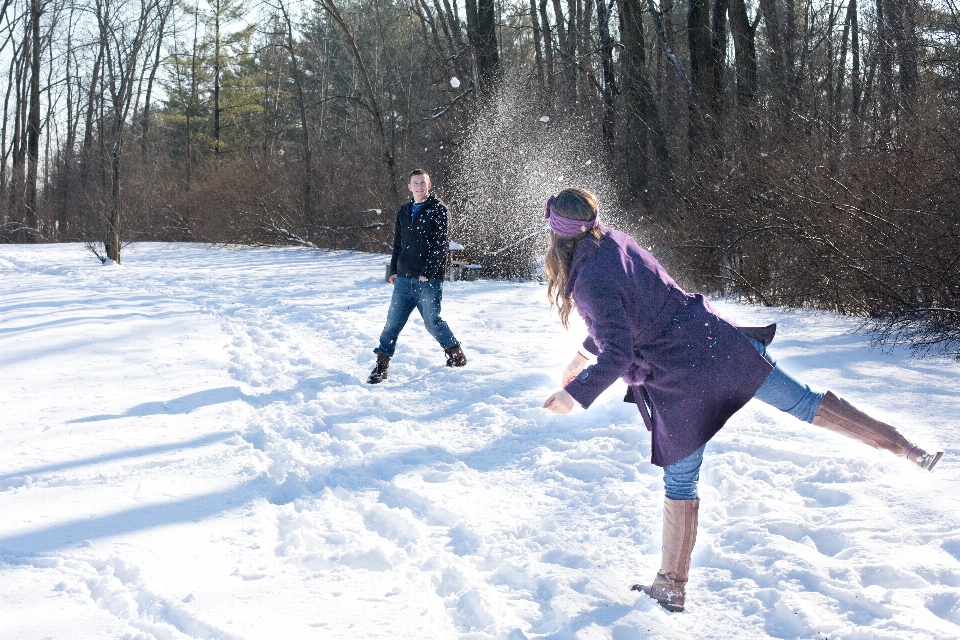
x,y
681,491
680,479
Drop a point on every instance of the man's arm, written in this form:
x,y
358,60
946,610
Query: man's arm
x,y
437,245
396,245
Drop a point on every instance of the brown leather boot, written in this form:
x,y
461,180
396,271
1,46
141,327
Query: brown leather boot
x,y
379,373
679,535
455,356
838,415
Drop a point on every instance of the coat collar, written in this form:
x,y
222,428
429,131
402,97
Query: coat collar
x,y
428,203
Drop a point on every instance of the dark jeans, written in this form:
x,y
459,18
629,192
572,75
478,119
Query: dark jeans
x,y
410,294
779,390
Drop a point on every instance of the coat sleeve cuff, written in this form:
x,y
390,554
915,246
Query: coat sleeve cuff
x,y
589,349
583,393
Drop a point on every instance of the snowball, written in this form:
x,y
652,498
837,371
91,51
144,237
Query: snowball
x,y
455,82
544,118
455,247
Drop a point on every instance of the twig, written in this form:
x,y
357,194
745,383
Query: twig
x,y
512,245
662,39
437,114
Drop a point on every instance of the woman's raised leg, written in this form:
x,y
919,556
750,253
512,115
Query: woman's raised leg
x,y
829,411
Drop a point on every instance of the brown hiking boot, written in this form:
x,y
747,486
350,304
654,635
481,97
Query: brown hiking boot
x,y
679,535
455,356
379,373
836,414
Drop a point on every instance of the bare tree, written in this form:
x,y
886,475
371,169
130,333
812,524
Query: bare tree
x,y
372,104
124,35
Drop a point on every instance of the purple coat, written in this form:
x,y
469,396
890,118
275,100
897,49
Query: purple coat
x,y
688,369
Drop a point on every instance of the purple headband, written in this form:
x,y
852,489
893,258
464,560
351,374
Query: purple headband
x,y
566,226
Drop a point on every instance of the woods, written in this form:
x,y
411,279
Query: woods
x,y
791,153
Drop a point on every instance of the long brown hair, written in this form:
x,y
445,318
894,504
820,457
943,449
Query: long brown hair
x,y
576,204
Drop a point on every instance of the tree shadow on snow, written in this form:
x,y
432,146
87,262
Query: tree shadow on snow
x,y
193,401
122,455
193,509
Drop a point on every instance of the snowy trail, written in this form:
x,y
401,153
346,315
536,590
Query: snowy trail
x,y
192,452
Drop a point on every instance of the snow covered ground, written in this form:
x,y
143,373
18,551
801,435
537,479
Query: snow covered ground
x,y
188,450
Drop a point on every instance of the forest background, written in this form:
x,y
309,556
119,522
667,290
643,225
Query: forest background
x,y
794,153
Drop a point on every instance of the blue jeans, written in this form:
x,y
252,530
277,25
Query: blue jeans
x,y
778,390
782,391
410,294
680,478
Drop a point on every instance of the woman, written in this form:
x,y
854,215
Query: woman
x,y
687,369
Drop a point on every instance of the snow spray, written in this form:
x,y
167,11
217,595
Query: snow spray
x,y
517,154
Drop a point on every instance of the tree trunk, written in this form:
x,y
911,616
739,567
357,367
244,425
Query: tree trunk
x,y
548,48
777,74
641,122
302,110
701,76
112,244
718,59
885,53
745,59
538,49
488,56
153,74
94,91
909,77
606,63
903,31
563,54
73,84
573,41
216,86
586,42
4,150
454,23
836,107
18,172
33,121
571,75
855,89
789,35
193,92
122,57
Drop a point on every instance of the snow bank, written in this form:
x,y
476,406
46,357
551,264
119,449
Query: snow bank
x,y
190,451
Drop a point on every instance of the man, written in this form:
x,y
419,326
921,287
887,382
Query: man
x,y
416,273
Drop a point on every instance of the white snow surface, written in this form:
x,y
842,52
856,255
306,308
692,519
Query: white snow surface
x,y
190,450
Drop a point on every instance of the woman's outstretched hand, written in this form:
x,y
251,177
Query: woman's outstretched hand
x,y
560,402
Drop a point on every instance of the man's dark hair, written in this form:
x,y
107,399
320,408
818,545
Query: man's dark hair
x,y
418,172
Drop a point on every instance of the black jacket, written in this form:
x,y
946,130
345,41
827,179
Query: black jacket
x,y
420,247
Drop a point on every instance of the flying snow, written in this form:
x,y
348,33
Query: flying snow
x,y
506,229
